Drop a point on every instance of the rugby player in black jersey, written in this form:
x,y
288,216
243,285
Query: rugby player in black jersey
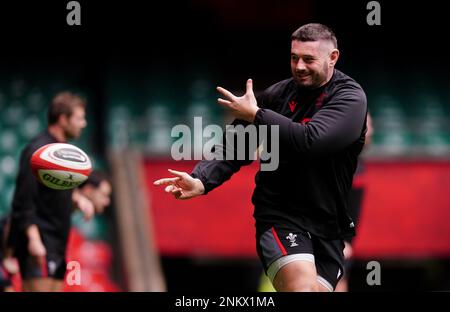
x,y
40,217
301,207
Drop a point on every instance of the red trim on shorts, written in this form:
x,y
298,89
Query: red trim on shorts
x,y
279,242
44,268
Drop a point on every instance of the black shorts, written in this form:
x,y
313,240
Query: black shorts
x,y
54,264
280,244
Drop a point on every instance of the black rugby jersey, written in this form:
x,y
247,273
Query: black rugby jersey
x,y
321,134
35,203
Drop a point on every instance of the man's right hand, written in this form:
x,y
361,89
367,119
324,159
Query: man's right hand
x,y
35,246
182,186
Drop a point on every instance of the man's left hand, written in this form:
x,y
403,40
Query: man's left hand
x,y
84,204
244,107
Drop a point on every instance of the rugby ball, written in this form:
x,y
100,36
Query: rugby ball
x,y
60,166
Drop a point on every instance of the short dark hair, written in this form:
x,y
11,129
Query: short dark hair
x,y
314,32
63,104
95,179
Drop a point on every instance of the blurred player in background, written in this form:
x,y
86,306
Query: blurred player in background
x,y
98,190
8,265
301,207
40,218
355,204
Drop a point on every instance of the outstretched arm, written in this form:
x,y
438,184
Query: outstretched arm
x,y
182,186
209,174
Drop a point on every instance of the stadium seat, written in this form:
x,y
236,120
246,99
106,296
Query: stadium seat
x,y
118,128
8,141
157,129
8,166
36,101
95,229
30,127
13,114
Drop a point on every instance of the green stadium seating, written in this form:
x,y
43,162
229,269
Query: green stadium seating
x,y
94,229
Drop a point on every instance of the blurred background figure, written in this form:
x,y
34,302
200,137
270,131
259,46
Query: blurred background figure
x,y
24,97
8,264
40,217
98,190
88,242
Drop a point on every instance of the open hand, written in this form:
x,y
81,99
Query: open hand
x,y
244,107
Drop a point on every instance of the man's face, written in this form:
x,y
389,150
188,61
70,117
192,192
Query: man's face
x,y
100,196
312,62
75,123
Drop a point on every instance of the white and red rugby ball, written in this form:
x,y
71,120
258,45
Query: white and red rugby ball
x,y
60,166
